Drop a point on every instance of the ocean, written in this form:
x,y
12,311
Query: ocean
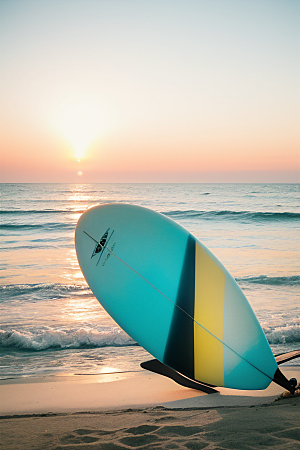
x,y
50,322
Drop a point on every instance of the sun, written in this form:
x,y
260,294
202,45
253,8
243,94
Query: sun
x,y
80,123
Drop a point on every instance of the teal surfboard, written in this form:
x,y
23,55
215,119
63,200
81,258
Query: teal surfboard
x,y
173,297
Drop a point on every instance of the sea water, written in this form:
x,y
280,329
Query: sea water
x,y
50,322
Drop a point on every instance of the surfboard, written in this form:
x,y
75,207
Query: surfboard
x,y
167,291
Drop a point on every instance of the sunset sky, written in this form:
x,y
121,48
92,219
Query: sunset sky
x,y
149,90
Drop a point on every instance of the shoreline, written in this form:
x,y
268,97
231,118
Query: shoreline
x,y
121,390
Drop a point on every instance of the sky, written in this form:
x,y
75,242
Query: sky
x,y
149,91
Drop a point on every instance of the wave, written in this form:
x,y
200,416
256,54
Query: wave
x,y
15,212
53,339
56,290
45,226
283,335
31,247
34,244
87,337
273,281
42,291
235,215
181,214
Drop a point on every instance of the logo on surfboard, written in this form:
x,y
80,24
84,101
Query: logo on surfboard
x,y
101,244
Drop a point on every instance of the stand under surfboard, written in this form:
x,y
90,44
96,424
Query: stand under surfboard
x,y
284,357
157,367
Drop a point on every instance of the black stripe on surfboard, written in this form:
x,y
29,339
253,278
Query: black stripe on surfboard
x,y
179,351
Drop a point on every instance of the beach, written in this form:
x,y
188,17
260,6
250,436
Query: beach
x,y
143,410
70,378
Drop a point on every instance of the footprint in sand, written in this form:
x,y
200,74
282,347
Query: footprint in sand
x,y
145,436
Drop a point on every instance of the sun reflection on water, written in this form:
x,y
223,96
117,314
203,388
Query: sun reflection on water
x,y
107,370
83,310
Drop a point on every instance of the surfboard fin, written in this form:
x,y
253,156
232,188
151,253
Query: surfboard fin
x,y
157,367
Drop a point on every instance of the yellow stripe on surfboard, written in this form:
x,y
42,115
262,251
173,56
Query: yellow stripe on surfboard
x,y
209,312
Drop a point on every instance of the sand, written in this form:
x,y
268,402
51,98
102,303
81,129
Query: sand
x,y
93,412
